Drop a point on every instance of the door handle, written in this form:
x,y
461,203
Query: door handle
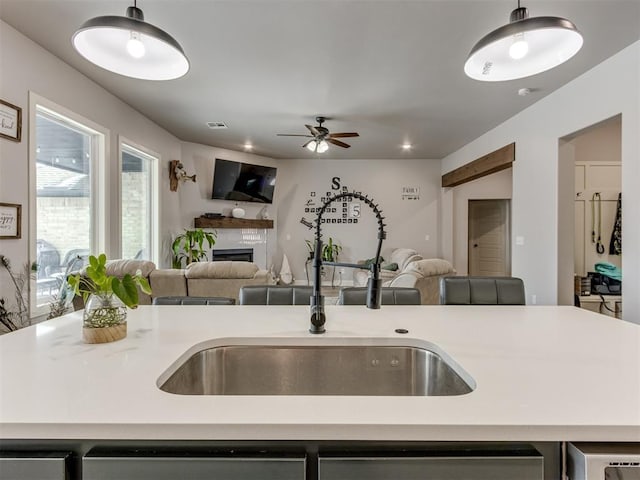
x,y
475,245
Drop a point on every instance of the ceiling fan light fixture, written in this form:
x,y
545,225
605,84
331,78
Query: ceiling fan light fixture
x,y
322,146
317,146
131,47
523,47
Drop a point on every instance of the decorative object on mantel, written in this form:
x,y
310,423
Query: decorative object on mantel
x,y
178,174
189,246
106,300
238,212
286,277
131,47
264,213
14,319
10,121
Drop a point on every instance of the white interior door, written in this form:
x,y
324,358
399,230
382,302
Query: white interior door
x,y
489,238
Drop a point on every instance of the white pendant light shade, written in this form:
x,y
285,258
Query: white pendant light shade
x,y
130,46
522,48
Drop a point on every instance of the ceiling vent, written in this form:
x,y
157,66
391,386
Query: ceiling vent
x,y
216,125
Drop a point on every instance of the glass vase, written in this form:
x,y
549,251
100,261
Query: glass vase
x,y
104,319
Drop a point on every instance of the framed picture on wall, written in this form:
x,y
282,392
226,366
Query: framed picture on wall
x,y
10,121
10,220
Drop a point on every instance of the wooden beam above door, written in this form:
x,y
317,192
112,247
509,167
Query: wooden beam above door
x,y
493,162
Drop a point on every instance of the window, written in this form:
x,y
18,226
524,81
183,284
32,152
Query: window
x,y
138,207
66,204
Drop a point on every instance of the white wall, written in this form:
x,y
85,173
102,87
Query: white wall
x,y
609,89
494,186
195,199
409,221
25,67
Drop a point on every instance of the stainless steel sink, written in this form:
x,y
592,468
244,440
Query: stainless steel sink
x,y
386,370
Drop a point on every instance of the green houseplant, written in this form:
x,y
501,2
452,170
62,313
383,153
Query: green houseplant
x,y
330,252
106,300
189,246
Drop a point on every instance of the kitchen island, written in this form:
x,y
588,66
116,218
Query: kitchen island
x,y
539,374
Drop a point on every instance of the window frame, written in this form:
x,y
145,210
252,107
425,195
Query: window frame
x,y
99,174
125,144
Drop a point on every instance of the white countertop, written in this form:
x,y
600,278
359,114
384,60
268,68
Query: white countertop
x,y
542,374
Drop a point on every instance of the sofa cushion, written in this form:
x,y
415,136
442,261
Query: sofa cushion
x,y
168,282
119,268
429,267
404,256
225,269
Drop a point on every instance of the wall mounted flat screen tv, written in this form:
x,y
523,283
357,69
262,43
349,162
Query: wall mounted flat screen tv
x,y
243,182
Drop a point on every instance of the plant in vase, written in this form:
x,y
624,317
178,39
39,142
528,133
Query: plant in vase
x,y
189,246
106,300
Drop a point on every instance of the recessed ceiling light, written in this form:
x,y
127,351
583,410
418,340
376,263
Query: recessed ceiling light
x,y
248,146
216,125
406,146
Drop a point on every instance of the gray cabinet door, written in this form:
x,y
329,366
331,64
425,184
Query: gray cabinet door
x,y
431,468
33,465
192,468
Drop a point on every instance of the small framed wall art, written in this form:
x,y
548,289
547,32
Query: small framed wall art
x,y
10,121
10,220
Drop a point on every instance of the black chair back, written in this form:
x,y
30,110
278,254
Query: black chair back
x,y
482,291
390,296
193,301
275,295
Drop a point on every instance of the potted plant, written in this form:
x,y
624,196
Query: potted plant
x,y
106,300
330,252
189,246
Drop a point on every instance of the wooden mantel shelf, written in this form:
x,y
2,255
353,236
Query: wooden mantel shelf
x,y
229,222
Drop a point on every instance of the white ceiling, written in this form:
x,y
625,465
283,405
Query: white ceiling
x,y
391,70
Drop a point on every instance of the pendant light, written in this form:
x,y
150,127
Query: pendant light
x,y
523,47
131,47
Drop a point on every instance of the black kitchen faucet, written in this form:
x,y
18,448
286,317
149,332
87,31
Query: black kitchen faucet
x,y
374,286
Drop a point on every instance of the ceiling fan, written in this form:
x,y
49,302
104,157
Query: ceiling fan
x,y
320,137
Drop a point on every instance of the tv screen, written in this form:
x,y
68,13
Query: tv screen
x,y
243,182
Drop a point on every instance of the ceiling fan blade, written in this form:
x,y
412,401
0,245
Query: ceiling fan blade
x,y
292,135
343,135
313,130
338,143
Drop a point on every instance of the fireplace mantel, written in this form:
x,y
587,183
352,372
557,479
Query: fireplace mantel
x,y
229,222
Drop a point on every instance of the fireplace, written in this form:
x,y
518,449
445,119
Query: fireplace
x,y
234,254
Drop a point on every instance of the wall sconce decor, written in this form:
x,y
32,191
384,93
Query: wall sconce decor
x,y
177,174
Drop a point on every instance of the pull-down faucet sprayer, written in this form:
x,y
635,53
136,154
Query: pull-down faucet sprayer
x,y
374,286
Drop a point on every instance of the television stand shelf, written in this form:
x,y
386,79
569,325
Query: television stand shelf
x,y
229,222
